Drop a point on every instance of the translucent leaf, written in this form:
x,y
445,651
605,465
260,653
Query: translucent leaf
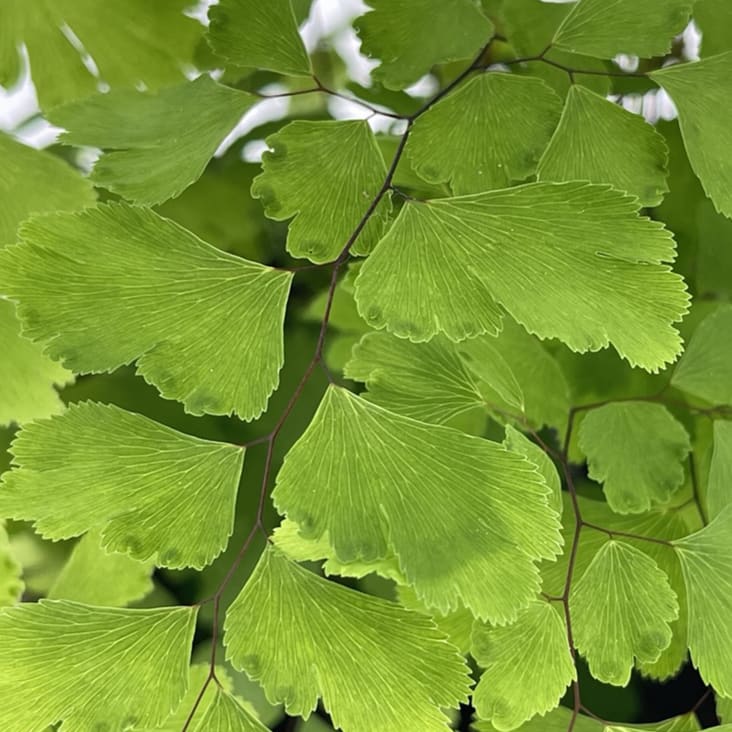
x,y
411,36
71,649
601,142
705,369
704,119
425,381
636,449
205,327
719,489
225,714
157,144
527,666
95,577
621,609
154,491
33,181
261,35
572,261
462,514
129,42
374,663
326,175
488,134
27,376
602,29
706,557
11,583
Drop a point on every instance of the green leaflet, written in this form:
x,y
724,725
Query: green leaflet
x,y
205,327
637,450
572,261
704,121
94,577
27,376
130,42
488,134
374,663
411,36
150,156
325,174
601,142
527,666
258,34
33,181
225,714
719,489
70,648
705,369
155,492
11,583
724,709
621,609
705,558
714,19
605,29
462,514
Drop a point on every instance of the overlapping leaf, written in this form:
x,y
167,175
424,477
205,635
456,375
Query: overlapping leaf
x,y
488,134
606,29
601,142
326,175
250,33
621,609
636,449
719,489
156,144
11,584
572,261
705,369
374,663
95,577
225,714
527,666
129,42
714,20
411,36
96,665
462,514
154,492
705,558
205,327
703,116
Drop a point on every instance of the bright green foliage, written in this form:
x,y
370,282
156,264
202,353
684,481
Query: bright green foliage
x,y
705,559
95,577
32,181
520,247
225,714
488,134
601,142
155,286
11,584
605,29
258,34
622,606
27,376
527,666
75,648
130,42
325,174
153,491
724,709
374,663
719,490
425,381
490,518
705,369
150,156
401,33
704,122
636,449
